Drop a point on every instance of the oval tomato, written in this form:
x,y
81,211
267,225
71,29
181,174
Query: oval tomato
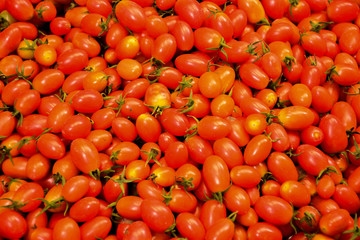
x,y
84,155
266,205
156,215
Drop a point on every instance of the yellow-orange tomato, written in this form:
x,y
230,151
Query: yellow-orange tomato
x,y
45,55
129,69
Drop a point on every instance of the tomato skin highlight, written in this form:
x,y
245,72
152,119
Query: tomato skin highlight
x,y
296,117
266,205
335,138
10,39
85,155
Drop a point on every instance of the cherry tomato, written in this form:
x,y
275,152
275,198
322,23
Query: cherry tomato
x,y
156,215
266,205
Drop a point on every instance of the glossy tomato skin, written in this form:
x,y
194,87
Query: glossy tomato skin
x,y
279,133
13,224
190,11
48,81
87,101
257,149
216,174
228,151
342,11
7,123
192,64
131,15
85,209
282,167
10,39
75,188
213,127
253,76
156,215
29,193
334,222
66,228
296,117
51,146
263,230
146,122
266,205
21,10
85,155
99,226
236,199
164,47
174,122
184,35
199,148
335,138
311,159
347,198
190,226
222,229
136,230
72,61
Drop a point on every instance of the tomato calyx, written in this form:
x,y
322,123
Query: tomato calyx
x,y
289,61
356,153
151,155
308,218
251,48
155,75
185,183
58,178
213,12
61,95
328,171
157,110
186,82
53,204
331,72
5,153
171,230
21,117
274,85
189,105
267,176
29,46
264,22
192,131
355,231
290,153
356,91
264,50
104,25
351,132
121,180
232,216
120,102
164,13
95,174
155,62
218,196
317,26
222,45
293,3
14,204
167,196
6,19
270,117
40,11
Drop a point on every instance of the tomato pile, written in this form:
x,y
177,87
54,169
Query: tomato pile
x,y
179,119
